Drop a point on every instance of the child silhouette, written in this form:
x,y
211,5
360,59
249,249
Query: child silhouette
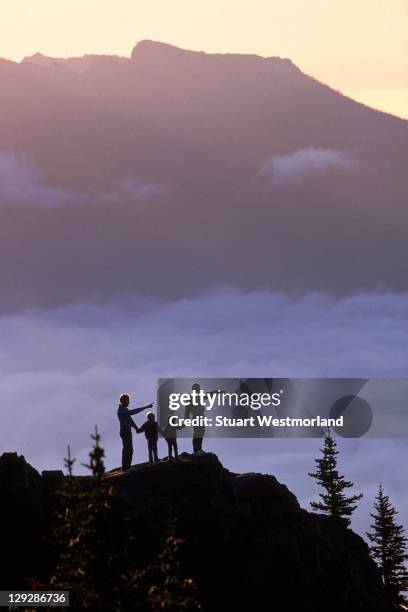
x,y
170,435
151,431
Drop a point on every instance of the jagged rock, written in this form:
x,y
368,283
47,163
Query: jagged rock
x,y
21,520
248,544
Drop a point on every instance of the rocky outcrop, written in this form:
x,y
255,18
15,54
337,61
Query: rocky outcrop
x,y
21,520
248,544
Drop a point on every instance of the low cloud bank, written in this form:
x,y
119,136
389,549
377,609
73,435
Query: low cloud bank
x,y
23,183
304,163
62,371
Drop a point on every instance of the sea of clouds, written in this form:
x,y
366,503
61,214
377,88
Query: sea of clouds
x,y
62,372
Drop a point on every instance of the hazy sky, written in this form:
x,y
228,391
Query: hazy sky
x,y
357,46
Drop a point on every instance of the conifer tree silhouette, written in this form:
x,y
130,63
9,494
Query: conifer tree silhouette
x,y
334,501
84,534
96,458
72,534
388,549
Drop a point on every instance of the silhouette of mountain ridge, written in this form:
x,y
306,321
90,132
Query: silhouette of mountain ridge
x,y
250,150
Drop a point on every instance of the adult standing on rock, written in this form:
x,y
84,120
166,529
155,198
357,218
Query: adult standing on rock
x,y
196,409
126,423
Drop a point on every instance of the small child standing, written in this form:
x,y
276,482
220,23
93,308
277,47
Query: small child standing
x,y
170,435
151,430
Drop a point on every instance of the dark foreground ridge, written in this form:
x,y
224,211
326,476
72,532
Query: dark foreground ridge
x,y
248,544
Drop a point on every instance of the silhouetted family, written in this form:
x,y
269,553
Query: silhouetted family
x,y
152,429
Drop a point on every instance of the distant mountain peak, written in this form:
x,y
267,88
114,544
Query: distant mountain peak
x,y
157,51
153,47
151,51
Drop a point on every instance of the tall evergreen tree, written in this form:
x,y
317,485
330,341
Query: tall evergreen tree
x,y
96,458
388,548
84,534
334,501
72,534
